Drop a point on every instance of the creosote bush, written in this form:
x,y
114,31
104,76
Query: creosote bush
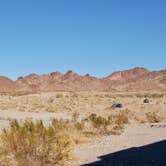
x,y
100,123
112,124
33,144
59,95
152,117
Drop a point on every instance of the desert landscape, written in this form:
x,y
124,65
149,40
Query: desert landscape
x,y
69,119
83,83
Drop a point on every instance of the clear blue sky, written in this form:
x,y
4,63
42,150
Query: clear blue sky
x,y
87,36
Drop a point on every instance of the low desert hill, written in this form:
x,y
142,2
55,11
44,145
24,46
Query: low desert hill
x,y
133,80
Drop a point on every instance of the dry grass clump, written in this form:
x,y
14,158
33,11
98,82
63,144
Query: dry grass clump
x,y
152,117
111,125
33,144
52,108
59,95
21,93
100,124
150,95
119,121
73,128
121,118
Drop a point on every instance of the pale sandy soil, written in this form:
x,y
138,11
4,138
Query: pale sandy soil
x,y
45,116
6,116
134,136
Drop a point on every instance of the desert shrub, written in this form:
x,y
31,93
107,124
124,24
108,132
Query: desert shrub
x,y
152,117
122,95
60,124
155,95
21,93
122,118
118,121
98,121
33,144
150,95
101,124
74,95
79,125
52,108
74,129
59,95
51,100
75,116
108,96
113,124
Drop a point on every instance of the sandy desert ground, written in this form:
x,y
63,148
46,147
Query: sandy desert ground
x,y
147,122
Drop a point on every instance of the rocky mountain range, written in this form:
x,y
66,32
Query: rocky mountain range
x,y
133,80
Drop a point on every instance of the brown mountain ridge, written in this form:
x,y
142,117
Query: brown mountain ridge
x,y
134,80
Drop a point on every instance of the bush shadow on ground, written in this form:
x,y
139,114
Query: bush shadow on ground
x,y
149,155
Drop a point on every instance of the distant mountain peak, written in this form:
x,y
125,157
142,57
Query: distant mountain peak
x,y
32,75
70,72
136,79
56,73
128,74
